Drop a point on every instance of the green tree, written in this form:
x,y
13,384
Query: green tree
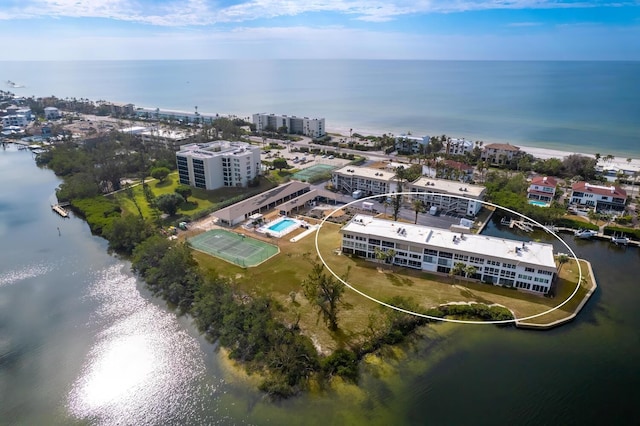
x,y
169,269
562,259
160,173
458,269
185,191
325,292
417,207
280,163
470,271
125,233
397,199
169,203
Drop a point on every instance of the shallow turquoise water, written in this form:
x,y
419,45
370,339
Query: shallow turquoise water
x,y
282,225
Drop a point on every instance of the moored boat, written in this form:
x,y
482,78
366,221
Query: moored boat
x,y
585,233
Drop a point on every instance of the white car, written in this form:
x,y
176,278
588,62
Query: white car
x,y
331,157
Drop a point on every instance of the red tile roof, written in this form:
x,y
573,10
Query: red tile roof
x,y
544,181
614,191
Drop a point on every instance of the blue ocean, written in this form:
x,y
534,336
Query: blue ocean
x,y
572,106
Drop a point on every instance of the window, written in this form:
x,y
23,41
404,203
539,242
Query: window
x,y
431,252
460,257
529,269
476,260
446,255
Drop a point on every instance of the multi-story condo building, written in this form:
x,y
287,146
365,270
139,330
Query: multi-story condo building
x,y
51,113
446,195
16,117
14,120
542,188
527,266
216,164
411,144
601,198
455,146
174,115
312,127
499,153
368,180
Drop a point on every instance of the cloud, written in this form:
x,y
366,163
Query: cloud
x,y
209,12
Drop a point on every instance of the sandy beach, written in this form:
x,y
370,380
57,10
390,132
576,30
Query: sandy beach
x,y
542,153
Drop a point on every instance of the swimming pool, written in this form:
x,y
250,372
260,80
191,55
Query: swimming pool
x,y
538,203
281,225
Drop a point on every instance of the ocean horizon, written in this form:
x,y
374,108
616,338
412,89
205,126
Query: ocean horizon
x,y
576,106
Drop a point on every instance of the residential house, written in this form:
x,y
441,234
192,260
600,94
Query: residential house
x,y
499,154
408,144
542,188
599,197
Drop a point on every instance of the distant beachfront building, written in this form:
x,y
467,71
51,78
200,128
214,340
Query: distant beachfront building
x,y
444,194
51,113
456,146
499,153
16,117
174,115
312,127
217,164
528,266
368,180
542,188
600,197
169,138
411,144
120,109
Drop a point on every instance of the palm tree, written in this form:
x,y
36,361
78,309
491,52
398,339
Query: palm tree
x,y
458,269
417,207
470,270
562,259
385,204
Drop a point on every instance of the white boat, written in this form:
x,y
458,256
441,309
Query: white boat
x,y
620,240
585,233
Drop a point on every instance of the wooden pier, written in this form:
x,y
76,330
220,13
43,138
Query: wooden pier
x,y
60,210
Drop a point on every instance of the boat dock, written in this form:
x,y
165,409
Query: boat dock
x,y
58,208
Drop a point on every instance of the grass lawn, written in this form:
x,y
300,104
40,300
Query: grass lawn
x,y
281,276
201,199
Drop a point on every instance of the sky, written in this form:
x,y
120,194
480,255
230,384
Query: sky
x,y
320,29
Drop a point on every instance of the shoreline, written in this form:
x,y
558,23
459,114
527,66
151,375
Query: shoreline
x,y
538,152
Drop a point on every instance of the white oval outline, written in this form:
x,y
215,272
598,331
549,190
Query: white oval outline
x,y
515,320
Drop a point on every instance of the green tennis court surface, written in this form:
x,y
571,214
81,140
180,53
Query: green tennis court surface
x,y
235,248
313,171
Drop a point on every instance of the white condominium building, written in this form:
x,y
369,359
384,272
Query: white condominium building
x,y
443,194
528,266
368,180
313,127
216,164
411,144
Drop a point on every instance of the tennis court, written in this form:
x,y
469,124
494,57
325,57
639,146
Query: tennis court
x,y
313,172
234,248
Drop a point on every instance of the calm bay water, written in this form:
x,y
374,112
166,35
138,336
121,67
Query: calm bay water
x,y
573,106
82,342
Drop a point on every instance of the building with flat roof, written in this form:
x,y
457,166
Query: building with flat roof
x,y
455,146
51,113
368,180
600,197
216,164
411,144
280,197
445,194
527,266
312,127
